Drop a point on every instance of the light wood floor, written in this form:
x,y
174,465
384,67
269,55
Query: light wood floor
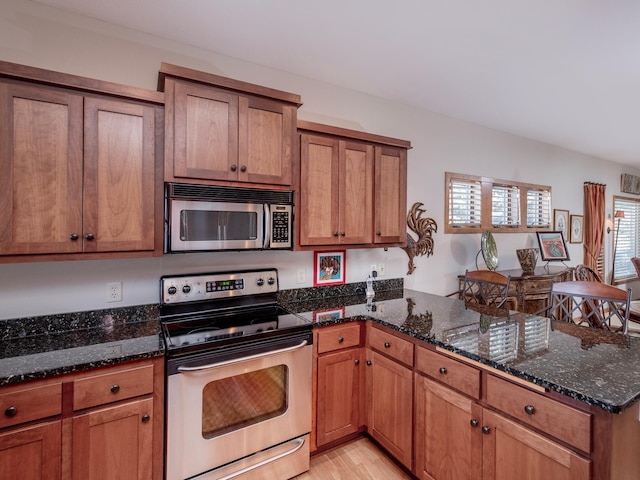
x,y
360,459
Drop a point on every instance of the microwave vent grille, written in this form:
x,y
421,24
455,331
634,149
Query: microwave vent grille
x,y
229,194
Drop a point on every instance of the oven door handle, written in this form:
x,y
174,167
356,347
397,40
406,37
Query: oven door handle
x,y
243,359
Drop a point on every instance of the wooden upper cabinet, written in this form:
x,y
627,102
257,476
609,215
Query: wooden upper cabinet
x,y
220,130
352,189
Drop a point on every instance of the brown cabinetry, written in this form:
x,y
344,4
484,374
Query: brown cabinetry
x,y
80,173
220,130
352,188
105,423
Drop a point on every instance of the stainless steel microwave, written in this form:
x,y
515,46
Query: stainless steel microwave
x,y
211,218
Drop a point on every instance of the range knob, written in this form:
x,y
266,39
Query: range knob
x,y
172,290
271,281
186,289
260,282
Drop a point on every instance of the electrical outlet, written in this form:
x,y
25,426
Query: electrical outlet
x,y
114,292
374,268
301,276
381,269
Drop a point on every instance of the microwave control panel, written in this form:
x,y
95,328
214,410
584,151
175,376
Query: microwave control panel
x,y
281,226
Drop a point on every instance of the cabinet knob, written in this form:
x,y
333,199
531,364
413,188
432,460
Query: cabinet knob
x,y
74,236
486,430
379,234
357,362
344,234
474,423
340,339
145,418
243,168
368,363
11,411
335,234
387,345
442,370
234,167
89,236
529,409
115,388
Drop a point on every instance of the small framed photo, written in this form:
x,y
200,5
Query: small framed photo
x,y
561,221
328,315
552,246
329,268
576,234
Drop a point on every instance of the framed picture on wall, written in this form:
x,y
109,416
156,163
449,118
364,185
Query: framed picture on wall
x,y
561,221
576,234
329,268
552,246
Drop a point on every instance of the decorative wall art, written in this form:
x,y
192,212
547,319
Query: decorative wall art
x,y
630,184
552,246
424,228
561,221
576,234
329,268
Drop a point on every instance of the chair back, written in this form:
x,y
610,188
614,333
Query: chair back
x,y
590,303
485,290
636,264
584,273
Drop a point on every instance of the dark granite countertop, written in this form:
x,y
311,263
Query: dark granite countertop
x,y
41,347
590,365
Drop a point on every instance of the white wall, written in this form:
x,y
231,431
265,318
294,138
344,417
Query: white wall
x,y
40,36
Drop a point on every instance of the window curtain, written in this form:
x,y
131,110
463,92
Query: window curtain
x,y
594,205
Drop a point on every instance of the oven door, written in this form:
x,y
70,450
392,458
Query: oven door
x,y
222,411
197,225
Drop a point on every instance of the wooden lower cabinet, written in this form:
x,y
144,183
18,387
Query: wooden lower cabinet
x,y
31,453
390,405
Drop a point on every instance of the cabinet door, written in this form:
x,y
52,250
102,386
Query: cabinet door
x,y
265,141
41,181
448,434
204,132
114,442
32,453
390,210
513,451
356,192
390,405
339,395
318,191
119,176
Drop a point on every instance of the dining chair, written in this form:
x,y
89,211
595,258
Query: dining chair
x,y
584,273
486,289
590,303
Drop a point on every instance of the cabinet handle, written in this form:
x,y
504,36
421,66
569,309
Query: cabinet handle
x,y
89,236
474,423
145,418
368,363
344,234
387,345
357,362
486,430
115,388
379,234
11,411
234,167
442,370
340,339
243,168
74,236
335,234
529,409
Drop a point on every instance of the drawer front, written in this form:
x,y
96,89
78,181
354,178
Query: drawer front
x,y
338,337
111,387
459,376
32,403
547,415
396,347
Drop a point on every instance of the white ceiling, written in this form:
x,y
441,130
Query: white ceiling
x,y
565,72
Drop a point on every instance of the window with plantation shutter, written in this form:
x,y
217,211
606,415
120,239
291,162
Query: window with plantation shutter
x,y
465,203
505,206
627,235
538,208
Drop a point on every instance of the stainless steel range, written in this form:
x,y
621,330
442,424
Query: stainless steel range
x,y
238,378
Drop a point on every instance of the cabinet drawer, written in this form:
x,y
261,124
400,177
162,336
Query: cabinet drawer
x,y
111,387
25,404
396,347
338,337
463,378
547,415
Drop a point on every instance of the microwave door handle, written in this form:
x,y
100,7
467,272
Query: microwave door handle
x,y
267,226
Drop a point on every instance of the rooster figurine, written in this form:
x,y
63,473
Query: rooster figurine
x,y
424,228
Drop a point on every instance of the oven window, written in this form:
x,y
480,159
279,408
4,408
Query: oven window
x,y
237,402
206,226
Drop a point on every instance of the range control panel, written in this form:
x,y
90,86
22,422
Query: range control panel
x,y
211,286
